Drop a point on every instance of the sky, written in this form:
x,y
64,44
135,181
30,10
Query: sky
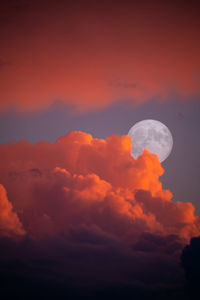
x,y
78,214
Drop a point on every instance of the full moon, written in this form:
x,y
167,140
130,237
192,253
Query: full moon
x,y
152,135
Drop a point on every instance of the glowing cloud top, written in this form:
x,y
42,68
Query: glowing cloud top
x,y
82,180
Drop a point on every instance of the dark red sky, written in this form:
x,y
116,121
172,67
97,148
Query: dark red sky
x,y
78,215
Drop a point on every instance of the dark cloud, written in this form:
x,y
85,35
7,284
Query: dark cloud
x,y
190,261
123,85
90,264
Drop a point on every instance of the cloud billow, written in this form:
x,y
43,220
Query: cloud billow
x,y
84,210
83,180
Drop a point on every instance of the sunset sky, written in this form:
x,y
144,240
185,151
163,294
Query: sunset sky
x,y
78,214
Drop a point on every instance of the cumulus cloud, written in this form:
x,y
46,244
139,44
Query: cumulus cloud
x,y
83,180
94,54
91,219
10,224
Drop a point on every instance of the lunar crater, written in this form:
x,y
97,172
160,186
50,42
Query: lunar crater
x,y
152,135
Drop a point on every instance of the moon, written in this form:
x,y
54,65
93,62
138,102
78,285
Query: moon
x,y
152,135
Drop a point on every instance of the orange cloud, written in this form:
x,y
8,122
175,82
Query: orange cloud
x,y
94,54
83,180
10,225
